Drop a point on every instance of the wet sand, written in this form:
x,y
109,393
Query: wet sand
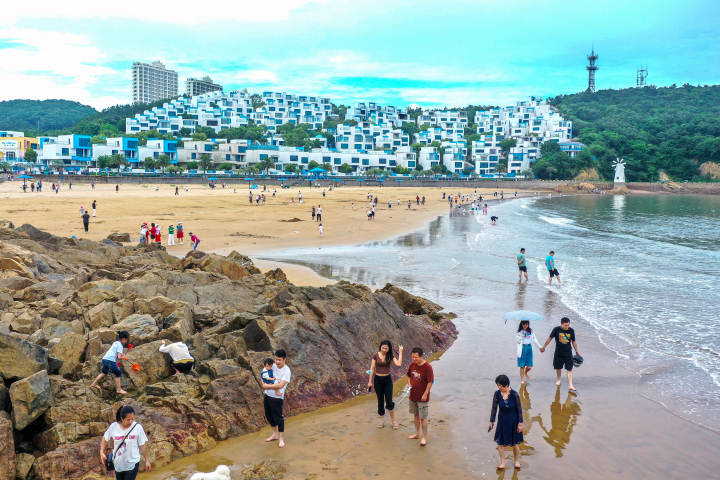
x,y
296,274
224,220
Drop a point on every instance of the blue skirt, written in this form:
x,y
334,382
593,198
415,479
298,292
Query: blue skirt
x,y
526,358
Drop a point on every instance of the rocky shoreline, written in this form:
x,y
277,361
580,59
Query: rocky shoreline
x,y
64,299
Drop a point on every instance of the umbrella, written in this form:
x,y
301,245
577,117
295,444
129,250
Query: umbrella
x,y
213,179
24,176
317,170
519,315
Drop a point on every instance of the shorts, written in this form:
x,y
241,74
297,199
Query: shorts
x,y
420,409
184,366
110,366
554,273
563,362
526,357
523,269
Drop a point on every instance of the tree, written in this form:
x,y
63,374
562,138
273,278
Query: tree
x,y
257,101
225,166
199,137
5,166
103,161
401,170
192,165
149,163
326,166
313,164
205,162
345,168
31,155
266,164
506,144
162,161
117,160
290,167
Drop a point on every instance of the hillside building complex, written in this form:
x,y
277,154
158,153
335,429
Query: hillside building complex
x,y
153,82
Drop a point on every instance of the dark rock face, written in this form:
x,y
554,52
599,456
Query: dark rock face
x,y
66,299
119,237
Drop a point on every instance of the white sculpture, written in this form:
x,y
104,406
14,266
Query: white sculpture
x,y
619,165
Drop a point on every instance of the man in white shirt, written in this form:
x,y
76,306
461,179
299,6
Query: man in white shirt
x,y
274,396
182,361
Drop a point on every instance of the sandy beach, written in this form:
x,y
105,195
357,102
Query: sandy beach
x,y
223,218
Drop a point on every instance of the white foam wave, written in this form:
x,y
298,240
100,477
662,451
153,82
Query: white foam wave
x,y
556,220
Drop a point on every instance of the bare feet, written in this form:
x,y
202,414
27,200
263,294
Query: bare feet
x,y
558,383
572,389
381,425
414,436
281,444
517,465
271,438
522,382
501,466
395,426
423,442
96,387
121,392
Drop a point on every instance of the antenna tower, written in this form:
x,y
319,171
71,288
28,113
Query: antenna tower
x,y
640,79
592,68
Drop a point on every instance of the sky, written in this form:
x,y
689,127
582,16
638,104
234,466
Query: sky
x,y
397,52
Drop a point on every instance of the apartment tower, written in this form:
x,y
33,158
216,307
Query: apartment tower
x,y
152,82
194,87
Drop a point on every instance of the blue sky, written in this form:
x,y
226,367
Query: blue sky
x,y
399,52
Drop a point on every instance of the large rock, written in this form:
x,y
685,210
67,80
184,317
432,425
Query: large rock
x,y
153,365
4,398
93,293
71,350
7,448
141,327
101,315
119,237
24,463
30,397
20,358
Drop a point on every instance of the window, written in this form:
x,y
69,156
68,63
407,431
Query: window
x,y
355,160
366,161
293,158
326,159
337,161
305,160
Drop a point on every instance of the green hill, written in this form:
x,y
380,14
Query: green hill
x,y
24,115
110,121
673,129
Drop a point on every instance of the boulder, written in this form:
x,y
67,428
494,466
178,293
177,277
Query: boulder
x,y
154,365
141,327
93,293
71,461
71,350
30,398
20,358
24,463
60,434
7,448
54,328
119,237
101,315
14,265
46,289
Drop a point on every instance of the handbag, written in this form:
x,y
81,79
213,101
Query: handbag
x,y
109,460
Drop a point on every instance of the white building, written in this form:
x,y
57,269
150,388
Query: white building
x,y
70,152
377,114
152,82
127,147
194,86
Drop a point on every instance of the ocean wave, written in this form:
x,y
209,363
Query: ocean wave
x,y
556,220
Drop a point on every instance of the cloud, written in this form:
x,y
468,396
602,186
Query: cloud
x,y
183,12
41,64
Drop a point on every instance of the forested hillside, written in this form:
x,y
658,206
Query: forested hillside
x,y
671,129
26,115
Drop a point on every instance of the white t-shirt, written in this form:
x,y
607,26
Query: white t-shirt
x,y
178,351
279,374
128,455
112,352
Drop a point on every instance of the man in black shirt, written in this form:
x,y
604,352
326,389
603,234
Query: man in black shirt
x,y
86,220
564,337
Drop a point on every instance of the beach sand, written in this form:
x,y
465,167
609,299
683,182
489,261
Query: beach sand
x,y
223,220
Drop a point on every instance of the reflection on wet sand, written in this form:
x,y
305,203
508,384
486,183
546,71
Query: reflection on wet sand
x,y
520,295
525,447
563,418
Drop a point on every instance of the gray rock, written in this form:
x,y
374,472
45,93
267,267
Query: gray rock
x,y
24,463
30,397
141,327
20,358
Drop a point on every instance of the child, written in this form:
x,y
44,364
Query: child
x,y
180,233
143,233
267,373
320,229
171,235
152,231
158,235
111,362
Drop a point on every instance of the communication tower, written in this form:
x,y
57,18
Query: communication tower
x,y
640,79
592,68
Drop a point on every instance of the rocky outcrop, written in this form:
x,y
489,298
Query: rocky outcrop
x,y
7,447
64,300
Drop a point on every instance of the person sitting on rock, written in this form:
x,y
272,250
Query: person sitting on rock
x,y
111,362
182,361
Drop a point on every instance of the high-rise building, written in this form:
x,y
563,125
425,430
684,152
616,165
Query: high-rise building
x,y
194,87
152,82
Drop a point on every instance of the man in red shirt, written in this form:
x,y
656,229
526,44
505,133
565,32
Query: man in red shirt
x,y
421,379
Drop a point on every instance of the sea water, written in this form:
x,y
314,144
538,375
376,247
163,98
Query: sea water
x,y
642,271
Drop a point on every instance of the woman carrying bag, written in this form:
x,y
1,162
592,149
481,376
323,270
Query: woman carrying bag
x,y
129,442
